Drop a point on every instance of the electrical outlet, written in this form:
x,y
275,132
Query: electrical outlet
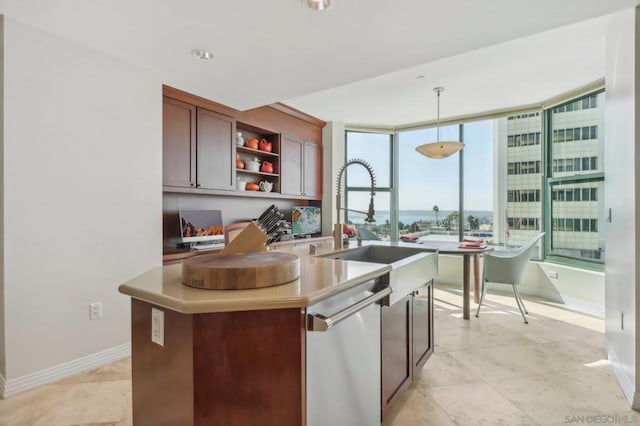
x,y
95,310
552,274
157,326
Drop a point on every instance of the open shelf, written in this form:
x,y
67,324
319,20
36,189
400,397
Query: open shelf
x,y
256,173
247,150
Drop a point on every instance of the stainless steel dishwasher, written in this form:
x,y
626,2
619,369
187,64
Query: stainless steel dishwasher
x,y
343,357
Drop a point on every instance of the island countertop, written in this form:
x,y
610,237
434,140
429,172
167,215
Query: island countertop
x,y
319,279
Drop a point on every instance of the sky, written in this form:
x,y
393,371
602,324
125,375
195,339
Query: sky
x,y
425,182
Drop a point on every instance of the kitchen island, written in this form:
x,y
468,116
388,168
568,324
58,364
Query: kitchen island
x,y
234,356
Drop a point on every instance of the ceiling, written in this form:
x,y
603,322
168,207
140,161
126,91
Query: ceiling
x,y
357,62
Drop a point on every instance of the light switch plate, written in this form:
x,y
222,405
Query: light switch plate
x,y
157,326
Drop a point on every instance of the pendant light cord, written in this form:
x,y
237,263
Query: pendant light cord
x,y
438,90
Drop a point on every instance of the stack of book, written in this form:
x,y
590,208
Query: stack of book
x,y
473,242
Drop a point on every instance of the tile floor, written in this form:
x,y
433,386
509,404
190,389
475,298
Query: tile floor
x,y
495,370
490,370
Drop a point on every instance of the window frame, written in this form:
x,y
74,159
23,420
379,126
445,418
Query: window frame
x,y
551,181
581,98
378,189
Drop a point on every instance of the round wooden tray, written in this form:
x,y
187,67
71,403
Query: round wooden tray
x,y
236,271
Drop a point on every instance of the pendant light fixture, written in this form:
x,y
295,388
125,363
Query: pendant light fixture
x,y
318,5
439,149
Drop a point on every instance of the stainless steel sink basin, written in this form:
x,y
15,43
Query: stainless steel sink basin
x,y
411,268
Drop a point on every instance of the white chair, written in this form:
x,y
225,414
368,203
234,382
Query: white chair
x,y
508,267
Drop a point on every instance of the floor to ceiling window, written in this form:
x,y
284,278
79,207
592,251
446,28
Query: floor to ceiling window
x,y
548,176
375,149
575,173
428,189
478,175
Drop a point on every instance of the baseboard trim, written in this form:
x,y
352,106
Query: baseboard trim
x,y
12,387
570,302
625,381
575,304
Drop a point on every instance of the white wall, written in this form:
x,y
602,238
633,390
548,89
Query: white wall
x,y
2,311
577,288
621,163
82,195
333,149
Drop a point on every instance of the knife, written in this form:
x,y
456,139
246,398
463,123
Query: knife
x,y
266,218
266,212
269,218
275,224
272,220
269,225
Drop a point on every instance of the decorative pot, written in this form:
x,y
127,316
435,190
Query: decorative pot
x,y
239,139
239,162
267,167
265,145
252,143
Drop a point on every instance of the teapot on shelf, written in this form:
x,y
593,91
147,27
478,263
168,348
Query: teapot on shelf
x,y
253,165
265,145
266,167
265,186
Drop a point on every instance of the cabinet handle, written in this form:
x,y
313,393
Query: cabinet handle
x,y
198,185
192,184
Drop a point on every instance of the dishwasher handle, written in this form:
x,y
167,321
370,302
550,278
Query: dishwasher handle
x,y
318,322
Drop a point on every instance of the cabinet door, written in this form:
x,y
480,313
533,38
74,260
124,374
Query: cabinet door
x,y
312,170
291,153
396,350
422,327
216,151
178,144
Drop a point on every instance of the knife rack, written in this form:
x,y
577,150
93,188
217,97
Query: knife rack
x,y
250,240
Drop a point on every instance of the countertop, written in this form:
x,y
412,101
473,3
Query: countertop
x,y
319,278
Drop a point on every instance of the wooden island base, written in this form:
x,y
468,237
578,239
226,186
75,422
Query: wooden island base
x,y
230,368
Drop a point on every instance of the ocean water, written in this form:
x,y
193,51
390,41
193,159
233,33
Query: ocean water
x,y
408,217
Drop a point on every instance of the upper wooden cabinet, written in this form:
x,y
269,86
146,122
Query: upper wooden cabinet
x,y
246,155
197,148
312,170
178,144
200,150
301,169
291,166
215,151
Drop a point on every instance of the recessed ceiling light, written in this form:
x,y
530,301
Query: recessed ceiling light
x,y
205,55
318,4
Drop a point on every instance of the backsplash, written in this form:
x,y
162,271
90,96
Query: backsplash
x,y
234,209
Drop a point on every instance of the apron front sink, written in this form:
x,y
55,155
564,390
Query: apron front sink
x,y
411,268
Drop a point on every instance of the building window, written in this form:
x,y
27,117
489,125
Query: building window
x,y
575,209
524,172
571,174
